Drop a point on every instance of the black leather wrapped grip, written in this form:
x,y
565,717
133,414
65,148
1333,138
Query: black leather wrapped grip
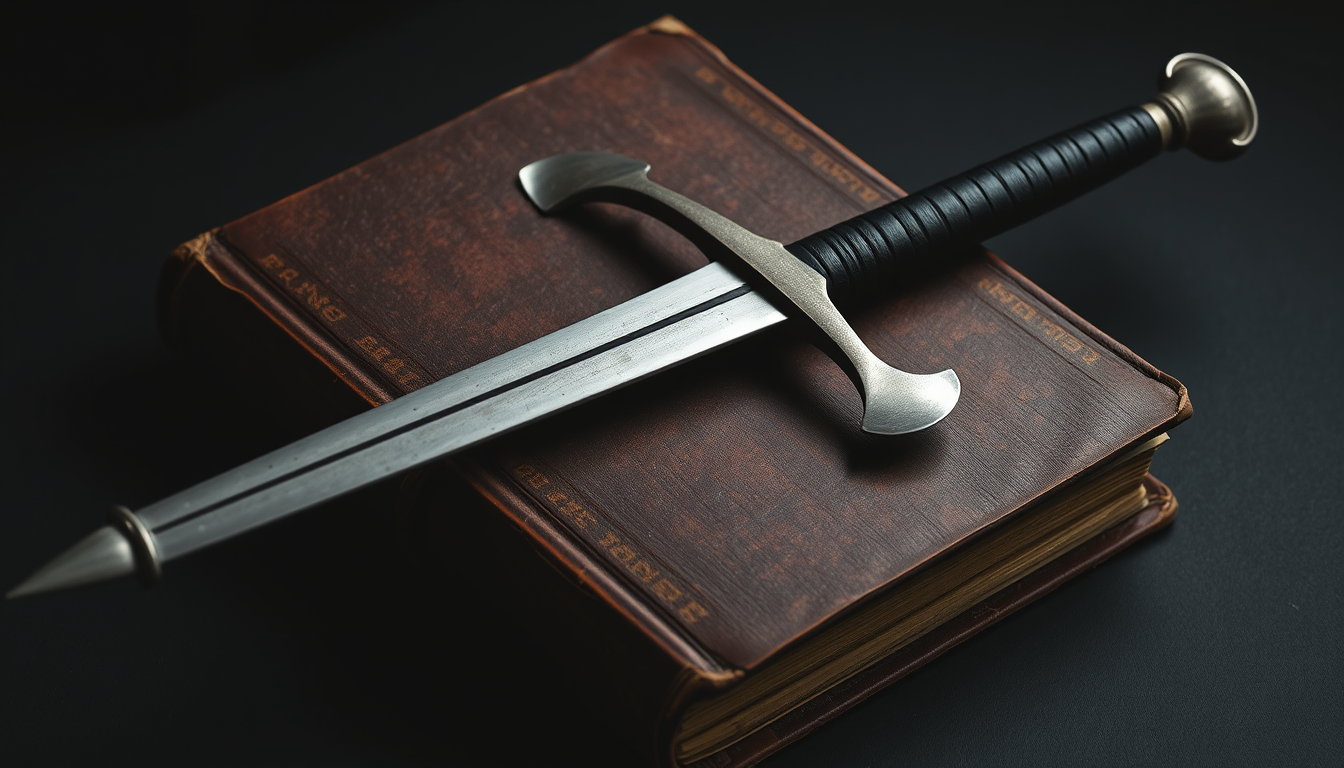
x,y
874,252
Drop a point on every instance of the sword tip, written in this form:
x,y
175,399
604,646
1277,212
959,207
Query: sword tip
x,y
102,555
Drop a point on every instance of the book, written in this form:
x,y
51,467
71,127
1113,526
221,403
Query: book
x,y
724,559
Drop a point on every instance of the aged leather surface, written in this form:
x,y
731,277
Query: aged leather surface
x,y
730,506
1159,512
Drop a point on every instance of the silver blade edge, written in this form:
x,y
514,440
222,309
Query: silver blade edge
x,y
684,319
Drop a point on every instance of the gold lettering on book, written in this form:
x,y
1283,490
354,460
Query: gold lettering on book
x,y
310,292
381,355
375,350
840,173
570,509
667,590
315,299
307,291
763,119
693,612
621,552
531,475
1047,327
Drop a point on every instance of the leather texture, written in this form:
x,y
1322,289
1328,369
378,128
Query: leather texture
x,y
1159,512
731,506
875,253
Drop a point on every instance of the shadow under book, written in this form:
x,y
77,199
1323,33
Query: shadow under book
x,y
727,559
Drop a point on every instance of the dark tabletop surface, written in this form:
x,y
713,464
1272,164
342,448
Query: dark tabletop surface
x,y
132,128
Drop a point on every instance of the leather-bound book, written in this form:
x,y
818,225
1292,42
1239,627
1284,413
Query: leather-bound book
x,y
718,555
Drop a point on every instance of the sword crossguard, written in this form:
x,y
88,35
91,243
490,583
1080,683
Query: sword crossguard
x,y
894,401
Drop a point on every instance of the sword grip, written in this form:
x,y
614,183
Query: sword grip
x,y
875,252
1201,104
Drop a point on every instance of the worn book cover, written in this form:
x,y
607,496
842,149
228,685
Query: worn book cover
x,y
731,560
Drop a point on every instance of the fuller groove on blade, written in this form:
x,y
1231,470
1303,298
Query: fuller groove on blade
x,y
669,325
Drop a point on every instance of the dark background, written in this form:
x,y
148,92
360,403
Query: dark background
x,y
130,128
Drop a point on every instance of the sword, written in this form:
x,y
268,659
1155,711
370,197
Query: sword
x,y
754,284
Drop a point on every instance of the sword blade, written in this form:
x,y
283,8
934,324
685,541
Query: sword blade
x,y
684,319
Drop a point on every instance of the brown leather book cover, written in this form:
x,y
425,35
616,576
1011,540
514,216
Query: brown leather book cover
x,y
728,510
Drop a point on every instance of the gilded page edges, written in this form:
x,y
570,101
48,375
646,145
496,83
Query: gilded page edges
x,y
668,25
172,273
193,249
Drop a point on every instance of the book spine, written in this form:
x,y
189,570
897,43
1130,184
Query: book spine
x,y
208,254
211,305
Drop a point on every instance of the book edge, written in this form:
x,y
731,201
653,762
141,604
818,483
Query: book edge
x,y
232,272
592,573
775,101
235,274
211,250
1127,356
1156,515
1184,408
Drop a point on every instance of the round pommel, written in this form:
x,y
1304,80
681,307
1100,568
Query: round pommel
x,y
1209,108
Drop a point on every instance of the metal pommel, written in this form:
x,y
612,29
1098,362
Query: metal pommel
x,y
122,547
143,548
1205,106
